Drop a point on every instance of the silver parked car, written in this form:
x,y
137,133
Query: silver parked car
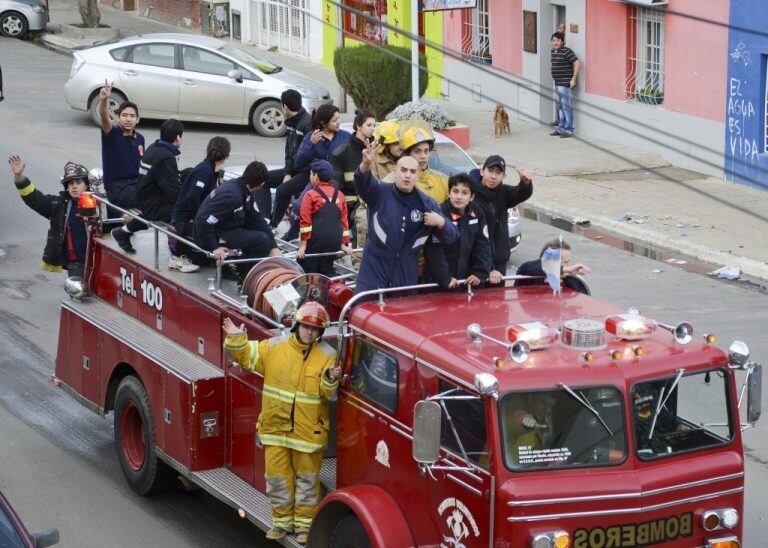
x,y
192,78
17,17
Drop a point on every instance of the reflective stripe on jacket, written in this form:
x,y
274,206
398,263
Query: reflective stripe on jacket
x,y
294,409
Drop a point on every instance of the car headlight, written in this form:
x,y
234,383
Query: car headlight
x,y
38,9
513,215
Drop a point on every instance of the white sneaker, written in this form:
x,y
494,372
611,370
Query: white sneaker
x,y
182,264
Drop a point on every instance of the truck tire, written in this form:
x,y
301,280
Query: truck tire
x,y
135,440
349,533
268,119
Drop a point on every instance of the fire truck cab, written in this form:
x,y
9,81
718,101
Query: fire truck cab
x,y
504,417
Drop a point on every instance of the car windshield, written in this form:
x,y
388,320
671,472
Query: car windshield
x,y
449,159
9,536
562,428
246,58
676,417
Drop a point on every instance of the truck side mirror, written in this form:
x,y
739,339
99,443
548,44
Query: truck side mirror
x,y
427,418
755,394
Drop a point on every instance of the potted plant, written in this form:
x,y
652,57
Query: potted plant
x,y
434,115
650,96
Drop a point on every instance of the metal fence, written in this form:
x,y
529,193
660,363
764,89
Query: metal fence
x,y
283,24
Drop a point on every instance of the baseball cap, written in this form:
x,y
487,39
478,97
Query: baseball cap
x,y
495,160
322,169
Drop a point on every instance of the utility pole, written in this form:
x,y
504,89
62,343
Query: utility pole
x,y
414,50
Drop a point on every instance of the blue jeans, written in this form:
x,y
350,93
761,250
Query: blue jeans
x,y
564,100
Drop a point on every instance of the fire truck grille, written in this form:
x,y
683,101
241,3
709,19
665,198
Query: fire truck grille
x,y
582,334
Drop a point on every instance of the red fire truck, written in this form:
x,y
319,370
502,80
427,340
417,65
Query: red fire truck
x,y
504,417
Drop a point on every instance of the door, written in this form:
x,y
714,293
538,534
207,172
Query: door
x,y
207,93
150,79
458,502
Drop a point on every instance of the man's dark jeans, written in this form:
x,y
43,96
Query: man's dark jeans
x,y
287,190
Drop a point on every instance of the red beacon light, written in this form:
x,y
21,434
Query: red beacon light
x,y
536,334
87,205
630,327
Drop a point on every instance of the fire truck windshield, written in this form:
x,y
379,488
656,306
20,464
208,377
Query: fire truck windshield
x,y
672,417
566,427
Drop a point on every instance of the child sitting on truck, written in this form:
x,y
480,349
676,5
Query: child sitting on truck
x,y
323,224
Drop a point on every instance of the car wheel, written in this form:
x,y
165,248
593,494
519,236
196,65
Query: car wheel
x,y
13,24
114,101
268,119
135,440
349,533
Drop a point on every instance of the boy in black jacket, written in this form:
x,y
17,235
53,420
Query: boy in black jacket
x,y
67,237
470,256
495,198
159,185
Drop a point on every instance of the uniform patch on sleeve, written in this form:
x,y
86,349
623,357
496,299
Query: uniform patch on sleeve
x,y
485,231
200,184
211,220
472,222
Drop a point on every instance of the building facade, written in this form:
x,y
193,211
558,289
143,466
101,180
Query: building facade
x,y
746,106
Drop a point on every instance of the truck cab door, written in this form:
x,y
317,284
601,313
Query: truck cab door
x,y
461,498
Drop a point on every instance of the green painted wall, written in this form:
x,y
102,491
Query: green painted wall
x,y
398,15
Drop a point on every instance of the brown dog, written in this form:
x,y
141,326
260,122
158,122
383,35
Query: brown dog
x,y
500,121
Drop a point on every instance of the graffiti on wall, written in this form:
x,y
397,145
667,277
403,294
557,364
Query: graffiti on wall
x,y
741,113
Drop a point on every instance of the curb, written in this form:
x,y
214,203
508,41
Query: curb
x,y
750,267
56,44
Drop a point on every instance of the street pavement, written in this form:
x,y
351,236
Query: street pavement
x,y
57,460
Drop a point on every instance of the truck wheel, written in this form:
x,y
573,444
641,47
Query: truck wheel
x,y
268,119
349,533
115,98
135,440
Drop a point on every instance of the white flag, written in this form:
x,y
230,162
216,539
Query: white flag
x,y
550,264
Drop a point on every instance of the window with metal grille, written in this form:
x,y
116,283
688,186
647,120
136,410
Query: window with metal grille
x,y
645,82
361,28
766,103
476,34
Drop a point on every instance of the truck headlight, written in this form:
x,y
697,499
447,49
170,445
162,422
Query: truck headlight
x,y
554,539
723,518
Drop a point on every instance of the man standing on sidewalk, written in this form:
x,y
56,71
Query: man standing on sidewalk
x,y
565,73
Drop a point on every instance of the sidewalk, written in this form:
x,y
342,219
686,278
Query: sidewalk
x,y
695,215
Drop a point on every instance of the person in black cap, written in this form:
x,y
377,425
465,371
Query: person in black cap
x,y
67,238
323,221
495,199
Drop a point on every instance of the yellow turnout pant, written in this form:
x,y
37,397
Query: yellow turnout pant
x,y
293,486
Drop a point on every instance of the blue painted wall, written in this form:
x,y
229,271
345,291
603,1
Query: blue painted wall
x,y
746,159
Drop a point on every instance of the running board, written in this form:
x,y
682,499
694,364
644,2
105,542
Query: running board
x,y
250,503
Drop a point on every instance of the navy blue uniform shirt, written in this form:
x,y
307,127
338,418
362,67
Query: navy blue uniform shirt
x,y
121,154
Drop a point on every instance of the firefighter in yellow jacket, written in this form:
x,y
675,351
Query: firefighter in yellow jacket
x,y
418,142
299,380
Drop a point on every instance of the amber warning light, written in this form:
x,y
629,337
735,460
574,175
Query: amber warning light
x,y
630,327
86,205
536,334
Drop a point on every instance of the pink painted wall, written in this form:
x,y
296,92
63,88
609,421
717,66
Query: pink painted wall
x,y
696,55
506,34
607,37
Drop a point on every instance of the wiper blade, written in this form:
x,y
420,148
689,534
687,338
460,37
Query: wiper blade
x,y
663,400
275,70
579,398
